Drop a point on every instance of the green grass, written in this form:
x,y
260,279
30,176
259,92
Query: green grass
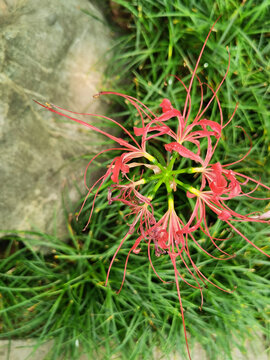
x,y
59,293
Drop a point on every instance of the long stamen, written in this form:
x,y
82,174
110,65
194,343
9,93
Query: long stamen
x,y
195,69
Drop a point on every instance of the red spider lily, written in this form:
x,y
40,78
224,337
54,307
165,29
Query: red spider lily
x,y
215,200
168,238
184,131
170,235
139,204
222,181
119,164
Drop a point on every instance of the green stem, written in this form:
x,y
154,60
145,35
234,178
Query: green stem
x,y
154,161
156,187
190,170
174,157
170,201
187,187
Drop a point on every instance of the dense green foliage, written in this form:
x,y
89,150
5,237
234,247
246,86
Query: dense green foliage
x,y
59,293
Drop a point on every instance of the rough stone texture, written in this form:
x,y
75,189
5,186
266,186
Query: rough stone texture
x,y
50,51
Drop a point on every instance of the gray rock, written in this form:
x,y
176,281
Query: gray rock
x,y
50,51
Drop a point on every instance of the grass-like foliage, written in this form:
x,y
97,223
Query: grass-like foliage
x,y
59,294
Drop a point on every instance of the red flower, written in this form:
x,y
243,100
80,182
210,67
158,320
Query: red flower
x,y
183,151
216,202
170,235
